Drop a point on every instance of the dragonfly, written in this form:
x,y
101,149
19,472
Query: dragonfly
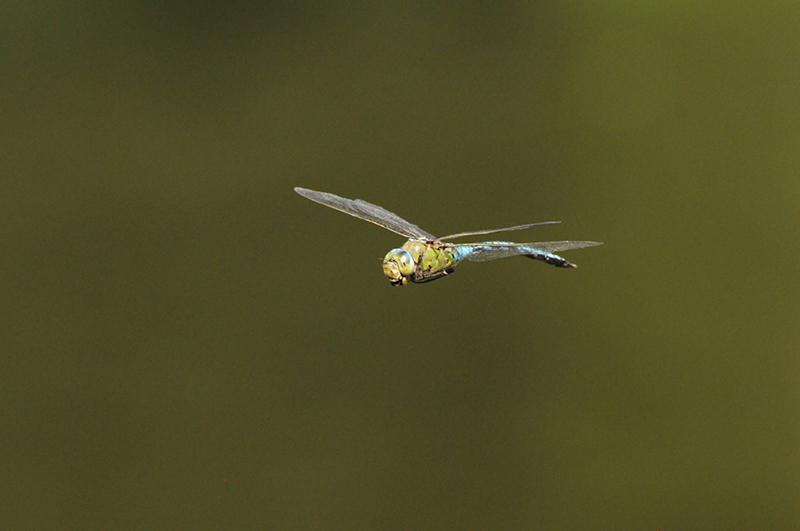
x,y
425,257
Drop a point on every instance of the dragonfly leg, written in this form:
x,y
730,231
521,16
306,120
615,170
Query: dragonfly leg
x,y
427,276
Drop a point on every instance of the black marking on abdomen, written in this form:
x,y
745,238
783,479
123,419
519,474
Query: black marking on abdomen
x,y
551,259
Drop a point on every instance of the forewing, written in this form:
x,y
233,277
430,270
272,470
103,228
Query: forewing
x,y
368,212
488,251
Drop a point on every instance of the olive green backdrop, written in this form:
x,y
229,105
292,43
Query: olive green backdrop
x,y
188,344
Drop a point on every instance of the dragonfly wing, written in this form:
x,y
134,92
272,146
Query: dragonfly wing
x,y
368,212
488,251
490,231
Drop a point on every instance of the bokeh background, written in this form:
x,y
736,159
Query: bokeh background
x,y
188,344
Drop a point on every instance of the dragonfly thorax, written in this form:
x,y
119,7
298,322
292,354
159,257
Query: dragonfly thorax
x,y
418,261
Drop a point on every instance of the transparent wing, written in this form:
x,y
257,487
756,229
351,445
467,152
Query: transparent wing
x,y
368,212
490,231
487,251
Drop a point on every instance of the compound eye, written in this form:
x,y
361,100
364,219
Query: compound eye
x,y
403,259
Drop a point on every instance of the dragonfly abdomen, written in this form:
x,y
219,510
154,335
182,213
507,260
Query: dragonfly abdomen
x,y
487,251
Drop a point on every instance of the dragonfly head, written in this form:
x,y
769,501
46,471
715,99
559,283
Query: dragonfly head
x,y
398,265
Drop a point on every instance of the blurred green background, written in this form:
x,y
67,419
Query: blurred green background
x,y
188,344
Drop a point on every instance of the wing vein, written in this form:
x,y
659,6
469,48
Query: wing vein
x,y
368,212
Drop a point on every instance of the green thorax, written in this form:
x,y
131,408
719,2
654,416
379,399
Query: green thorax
x,y
430,257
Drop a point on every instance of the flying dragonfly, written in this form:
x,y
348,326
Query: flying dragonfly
x,y
425,257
